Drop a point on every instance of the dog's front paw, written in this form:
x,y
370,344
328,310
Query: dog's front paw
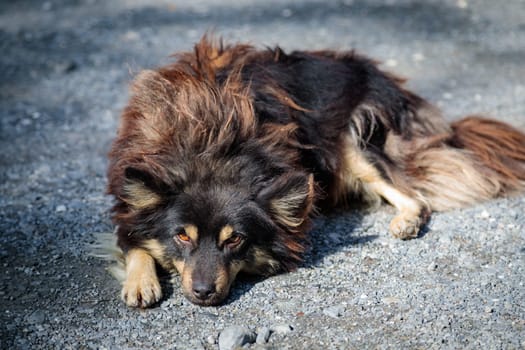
x,y
405,227
141,290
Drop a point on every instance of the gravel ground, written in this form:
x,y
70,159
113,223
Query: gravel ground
x,y
64,70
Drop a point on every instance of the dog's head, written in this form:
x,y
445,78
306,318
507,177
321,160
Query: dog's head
x,y
212,227
200,183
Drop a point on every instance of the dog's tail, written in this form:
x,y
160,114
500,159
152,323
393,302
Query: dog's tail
x,y
479,160
498,146
105,248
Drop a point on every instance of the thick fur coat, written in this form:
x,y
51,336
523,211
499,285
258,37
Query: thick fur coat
x,y
223,157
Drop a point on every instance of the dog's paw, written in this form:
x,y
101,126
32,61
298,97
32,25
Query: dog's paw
x,y
141,290
405,227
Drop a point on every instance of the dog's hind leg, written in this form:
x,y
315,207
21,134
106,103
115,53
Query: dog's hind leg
x,y
407,222
361,176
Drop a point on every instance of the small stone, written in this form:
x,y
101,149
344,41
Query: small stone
x,y
281,329
263,334
76,204
60,208
489,310
484,214
335,311
37,317
235,337
433,266
211,339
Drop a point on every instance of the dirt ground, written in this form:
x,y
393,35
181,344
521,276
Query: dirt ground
x,y
64,71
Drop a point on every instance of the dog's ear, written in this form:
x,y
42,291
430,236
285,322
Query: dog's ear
x,y
142,190
289,199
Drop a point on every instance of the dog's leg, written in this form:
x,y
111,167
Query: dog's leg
x,y
141,287
407,223
362,176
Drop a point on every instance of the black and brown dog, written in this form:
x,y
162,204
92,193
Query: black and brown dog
x,y
223,156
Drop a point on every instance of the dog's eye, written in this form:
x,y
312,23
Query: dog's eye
x,y
234,240
182,236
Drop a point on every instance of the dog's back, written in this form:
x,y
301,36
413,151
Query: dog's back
x,y
352,121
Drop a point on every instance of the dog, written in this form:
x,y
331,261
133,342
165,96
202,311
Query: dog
x,y
223,158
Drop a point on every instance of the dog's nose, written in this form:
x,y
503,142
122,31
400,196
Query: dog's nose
x,y
203,290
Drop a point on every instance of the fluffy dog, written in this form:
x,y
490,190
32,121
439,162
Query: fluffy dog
x,y
223,157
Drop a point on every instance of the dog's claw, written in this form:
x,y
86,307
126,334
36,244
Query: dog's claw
x,y
405,227
141,291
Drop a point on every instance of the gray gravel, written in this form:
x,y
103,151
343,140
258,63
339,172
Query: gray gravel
x,y
234,337
64,70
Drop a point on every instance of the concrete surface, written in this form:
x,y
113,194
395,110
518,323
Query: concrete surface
x,y
64,70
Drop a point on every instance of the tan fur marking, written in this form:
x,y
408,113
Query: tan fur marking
x,y
141,287
223,280
179,265
283,97
225,234
186,279
139,196
407,223
452,178
157,251
263,263
226,276
219,60
399,200
356,173
192,232
361,176
364,121
285,208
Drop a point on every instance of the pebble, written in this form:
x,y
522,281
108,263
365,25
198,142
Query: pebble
x,y
484,214
433,266
76,204
335,311
37,317
263,334
60,208
211,339
281,328
234,337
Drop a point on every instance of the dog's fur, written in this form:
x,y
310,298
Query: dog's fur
x,y
223,157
